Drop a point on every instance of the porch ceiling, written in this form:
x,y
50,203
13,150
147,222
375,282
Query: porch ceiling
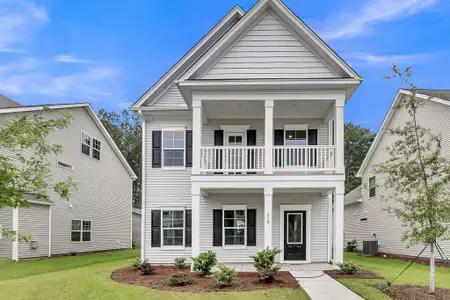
x,y
255,109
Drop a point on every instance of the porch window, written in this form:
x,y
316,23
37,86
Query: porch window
x,y
234,226
296,138
173,148
372,187
173,227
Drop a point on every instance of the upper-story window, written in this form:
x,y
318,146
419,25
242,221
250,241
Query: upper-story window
x,y
372,187
296,138
173,148
96,149
90,146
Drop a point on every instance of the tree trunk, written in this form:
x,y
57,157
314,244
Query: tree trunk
x,y
432,267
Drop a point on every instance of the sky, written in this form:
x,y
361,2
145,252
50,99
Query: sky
x,y
109,52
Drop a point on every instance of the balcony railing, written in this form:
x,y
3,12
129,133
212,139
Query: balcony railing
x,y
251,159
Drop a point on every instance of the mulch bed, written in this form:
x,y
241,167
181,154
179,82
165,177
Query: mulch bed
x,y
415,292
246,281
420,260
336,274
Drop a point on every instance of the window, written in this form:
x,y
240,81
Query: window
x,y
96,149
85,144
173,148
80,231
173,227
234,226
372,187
296,138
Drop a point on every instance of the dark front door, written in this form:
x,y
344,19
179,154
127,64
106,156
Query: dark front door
x,y
295,235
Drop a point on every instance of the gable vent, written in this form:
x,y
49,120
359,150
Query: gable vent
x,y
64,165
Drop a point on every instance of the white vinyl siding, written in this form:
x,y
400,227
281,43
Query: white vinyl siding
x,y
34,221
6,220
268,50
170,99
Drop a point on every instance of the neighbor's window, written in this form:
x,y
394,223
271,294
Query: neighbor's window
x,y
80,231
173,148
173,227
372,187
295,138
85,144
96,149
234,226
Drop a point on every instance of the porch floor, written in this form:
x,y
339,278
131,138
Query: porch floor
x,y
313,268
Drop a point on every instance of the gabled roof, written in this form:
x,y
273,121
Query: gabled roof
x,y
354,196
439,96
191,57
6,102
93,115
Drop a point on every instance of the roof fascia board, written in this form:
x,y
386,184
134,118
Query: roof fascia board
x,y
237,10
34,108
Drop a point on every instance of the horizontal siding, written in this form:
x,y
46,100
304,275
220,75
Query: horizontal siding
x,y
268,50
34,221
171,99
6,221
385,225
137,229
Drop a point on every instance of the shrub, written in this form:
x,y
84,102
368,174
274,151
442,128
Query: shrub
x,y
180,262
224,276
351,246
349,268
264,262
180,279
133,244
136,263
204,262
146,268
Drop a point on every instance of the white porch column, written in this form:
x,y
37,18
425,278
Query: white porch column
x,y
196,198
196,135
268,204
339,134
338,218
268,136
15,227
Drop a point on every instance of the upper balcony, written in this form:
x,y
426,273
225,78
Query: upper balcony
x,y
257,137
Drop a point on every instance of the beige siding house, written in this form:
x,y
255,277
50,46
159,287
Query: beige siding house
x,y
99,214
367,218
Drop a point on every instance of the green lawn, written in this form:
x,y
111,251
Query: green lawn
x,y
389,269
91,280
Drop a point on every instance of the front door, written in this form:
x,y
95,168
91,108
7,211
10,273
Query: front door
x,y
295,235
234,156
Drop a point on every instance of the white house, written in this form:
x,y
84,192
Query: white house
x,y
98,215
244,144
366,215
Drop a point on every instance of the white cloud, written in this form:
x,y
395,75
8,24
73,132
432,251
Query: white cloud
x,y
124,105
359,22
71,59
19,21
369,59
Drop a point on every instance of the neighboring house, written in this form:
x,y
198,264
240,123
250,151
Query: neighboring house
x,y
244,144
137,227
98,215
368,219
6,102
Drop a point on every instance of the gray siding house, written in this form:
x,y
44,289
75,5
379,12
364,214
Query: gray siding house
x,y
366,217
243,144
99,214
137,224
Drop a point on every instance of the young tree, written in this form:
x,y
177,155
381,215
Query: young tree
x,y
419,175
126,131
357,142
23,165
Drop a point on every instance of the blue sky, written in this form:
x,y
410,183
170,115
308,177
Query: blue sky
x,y
109,52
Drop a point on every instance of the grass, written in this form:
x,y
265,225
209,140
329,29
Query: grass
x,y
91,280
389,269
15,270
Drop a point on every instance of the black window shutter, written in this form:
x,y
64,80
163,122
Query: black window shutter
x,y
188,237
278,140
156,149
218,141
188,148
312,140
156,228
251,141
251,227
217,227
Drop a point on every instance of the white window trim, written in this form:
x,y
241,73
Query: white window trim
x,y
91,146
99,150
375,186
81,231
297,127
163,166
82,142
233,207
184,228
306,208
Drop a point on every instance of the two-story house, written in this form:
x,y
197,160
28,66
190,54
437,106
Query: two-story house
x,y
98,215
244,144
